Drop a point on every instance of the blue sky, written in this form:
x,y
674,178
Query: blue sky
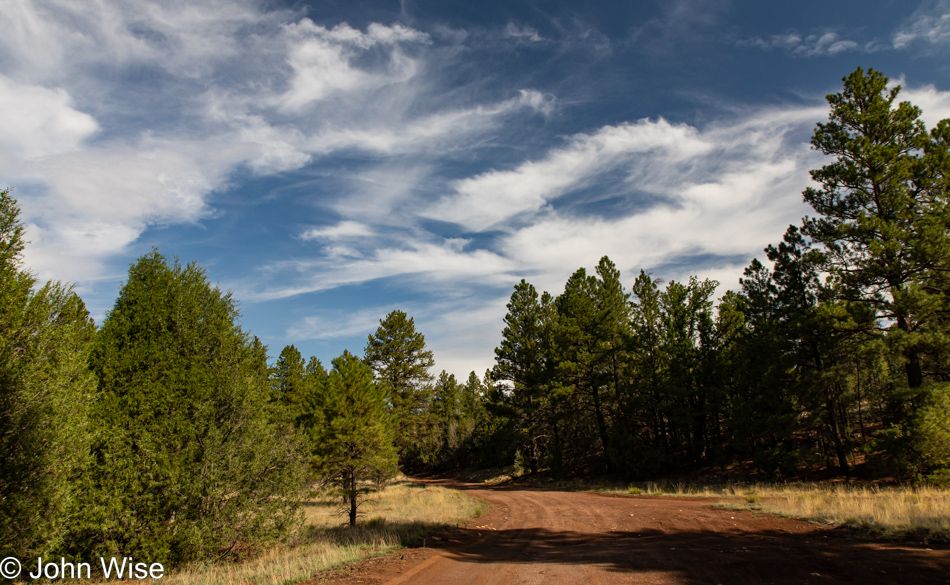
x,y
329,162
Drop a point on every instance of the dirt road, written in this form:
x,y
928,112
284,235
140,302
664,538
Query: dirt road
x,y
537,536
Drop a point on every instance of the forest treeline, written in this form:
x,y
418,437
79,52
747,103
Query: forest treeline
x,y
833,354
164,433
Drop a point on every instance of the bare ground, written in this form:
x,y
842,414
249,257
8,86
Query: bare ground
x,y
534,536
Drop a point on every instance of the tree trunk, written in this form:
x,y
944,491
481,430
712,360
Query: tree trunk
x,y
915,377
837,439
601,427
353,504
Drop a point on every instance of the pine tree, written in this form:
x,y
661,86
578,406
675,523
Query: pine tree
x,y
592,335
288,379
354,443
45,390
883,210
189,463
521,365
398,355
312,399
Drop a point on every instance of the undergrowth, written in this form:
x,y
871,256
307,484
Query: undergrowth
x,y
402,514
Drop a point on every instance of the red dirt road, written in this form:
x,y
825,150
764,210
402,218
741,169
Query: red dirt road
x,y
536,536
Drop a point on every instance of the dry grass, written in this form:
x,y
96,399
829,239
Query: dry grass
x,y
920,513
403,513
402,504
913,512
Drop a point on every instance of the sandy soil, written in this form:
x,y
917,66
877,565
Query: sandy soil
x,y
534,536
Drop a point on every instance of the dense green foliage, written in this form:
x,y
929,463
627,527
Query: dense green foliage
x,y
398,355
188,463
45,387
353,438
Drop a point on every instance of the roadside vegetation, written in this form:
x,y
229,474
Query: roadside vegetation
x,y
915,513
402,514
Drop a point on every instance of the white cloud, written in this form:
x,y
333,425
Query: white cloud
x,y
321,59
344,229
463,333
37,121
930,24
335,324
94,202
442,263
436,132
484,200
934,104
523,33
825,43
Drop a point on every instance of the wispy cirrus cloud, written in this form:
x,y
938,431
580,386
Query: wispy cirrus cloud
x,y
721,191
484,200
433,263
342,230
523,33
213,89
810,45
929,25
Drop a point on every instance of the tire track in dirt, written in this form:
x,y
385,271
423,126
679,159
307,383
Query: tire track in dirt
x,y
534,536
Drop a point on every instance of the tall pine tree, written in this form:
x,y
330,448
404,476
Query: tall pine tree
x,y
401,360
883,209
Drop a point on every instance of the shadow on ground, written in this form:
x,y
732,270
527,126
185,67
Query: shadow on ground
x,y
705,557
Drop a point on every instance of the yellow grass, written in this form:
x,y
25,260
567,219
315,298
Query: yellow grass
x,y
920,512
404,512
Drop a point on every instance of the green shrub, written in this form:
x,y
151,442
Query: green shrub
x,y
933,428
45,390
190,462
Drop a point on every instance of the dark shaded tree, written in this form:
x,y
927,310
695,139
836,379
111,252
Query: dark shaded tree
x,y
521,368
591,339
